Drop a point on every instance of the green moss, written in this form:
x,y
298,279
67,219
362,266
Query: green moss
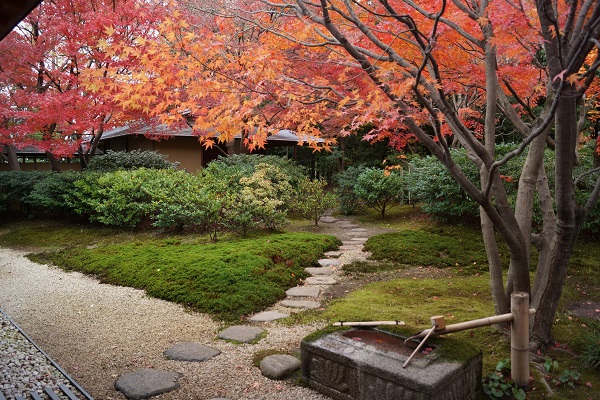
x,y
226,279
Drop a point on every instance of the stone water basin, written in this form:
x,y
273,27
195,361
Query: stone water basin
x,y
366,364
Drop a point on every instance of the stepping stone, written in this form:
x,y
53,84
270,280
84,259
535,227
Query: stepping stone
x,y
356,234
278,366
328,220
333,254
311,305
359,230
242,333
350,247
346,225
190,351
359,239
303,291
267,316
146,383
350,243
319,271
320,280
328,262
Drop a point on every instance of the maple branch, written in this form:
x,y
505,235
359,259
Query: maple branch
x,y
541,128
519,100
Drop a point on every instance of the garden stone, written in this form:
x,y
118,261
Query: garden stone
x,y
278,366
319,271
190,351
303,291
327,262
333,254
359,239
146,383
350,247
357,230
242,333
328,220
310,305
268,316
320,280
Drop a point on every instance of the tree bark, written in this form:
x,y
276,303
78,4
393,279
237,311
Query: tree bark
x,y
566,224
13,160
54,165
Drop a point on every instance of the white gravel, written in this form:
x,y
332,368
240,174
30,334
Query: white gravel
x,y
96,332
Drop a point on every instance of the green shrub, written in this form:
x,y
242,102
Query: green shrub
x,y
121,160
311,200
430,182
117,198
49,196
379,189
16,186
261,200
346,181
235,166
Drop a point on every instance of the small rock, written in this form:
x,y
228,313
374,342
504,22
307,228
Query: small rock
x,y
279,366
333,254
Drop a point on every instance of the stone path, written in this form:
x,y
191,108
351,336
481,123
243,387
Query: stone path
x,y
147,382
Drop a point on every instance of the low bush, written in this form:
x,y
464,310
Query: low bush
x,y
127,160
347,196
379,189
312,200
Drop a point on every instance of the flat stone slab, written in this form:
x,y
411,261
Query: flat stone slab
x,y
328,220
310,305
146,383
321,280
242,333
303,291
278,366
190,351
328,262
355,230
319,271
359,239
267,316
350,246
333,254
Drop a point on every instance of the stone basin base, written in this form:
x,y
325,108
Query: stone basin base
x,y
345,366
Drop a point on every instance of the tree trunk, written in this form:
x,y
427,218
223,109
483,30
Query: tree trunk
x,y
13,160
566,225
53,162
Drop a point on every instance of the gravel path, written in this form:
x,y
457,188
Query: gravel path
x,y
97,332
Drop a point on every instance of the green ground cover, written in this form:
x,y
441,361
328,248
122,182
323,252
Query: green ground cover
x,y
227,279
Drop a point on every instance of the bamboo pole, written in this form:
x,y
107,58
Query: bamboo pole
x,y
368,323
476,323
519,339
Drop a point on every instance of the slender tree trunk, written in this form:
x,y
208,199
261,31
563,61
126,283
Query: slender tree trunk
x,y
566,224
13,160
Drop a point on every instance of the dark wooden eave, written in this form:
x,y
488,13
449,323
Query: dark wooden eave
x,y
12,12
